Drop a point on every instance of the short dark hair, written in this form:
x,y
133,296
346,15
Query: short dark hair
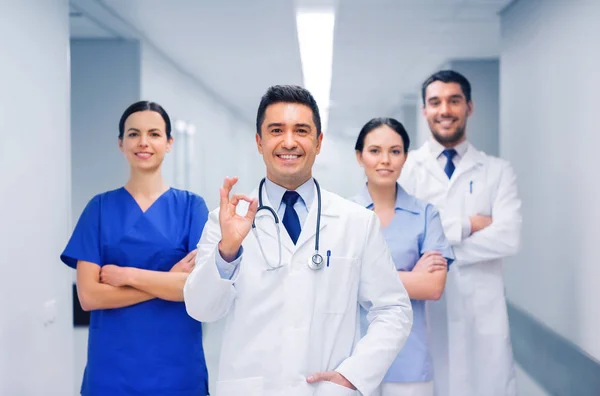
x,y
448,76
144,105
287,94
394,124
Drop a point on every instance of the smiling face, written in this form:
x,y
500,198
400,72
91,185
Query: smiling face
x,y
289,143
382,156
145,141
446,110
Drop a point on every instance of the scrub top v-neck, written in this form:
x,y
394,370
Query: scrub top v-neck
x,y
152,348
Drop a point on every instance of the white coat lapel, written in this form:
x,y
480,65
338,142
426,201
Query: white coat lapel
x,y
309,230
430,163
472,159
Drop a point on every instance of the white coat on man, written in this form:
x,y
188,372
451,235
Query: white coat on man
x,y
282,325
470,338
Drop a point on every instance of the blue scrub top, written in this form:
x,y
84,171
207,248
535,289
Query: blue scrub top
x,y
415,229
152,348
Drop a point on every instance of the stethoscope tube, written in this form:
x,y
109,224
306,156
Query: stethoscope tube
x,y
316,261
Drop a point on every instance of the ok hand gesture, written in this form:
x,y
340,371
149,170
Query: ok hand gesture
x,y
234,227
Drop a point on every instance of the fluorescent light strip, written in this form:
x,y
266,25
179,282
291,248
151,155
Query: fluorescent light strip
x,y
315,38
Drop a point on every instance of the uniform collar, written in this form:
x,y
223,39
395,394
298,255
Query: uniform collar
x,y
275,192
437,149
404,201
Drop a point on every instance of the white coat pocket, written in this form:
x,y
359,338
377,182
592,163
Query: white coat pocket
x,y
478,199
336,283
328,388
246,386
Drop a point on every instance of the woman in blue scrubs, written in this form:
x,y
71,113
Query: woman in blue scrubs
x,y
416,240
133,248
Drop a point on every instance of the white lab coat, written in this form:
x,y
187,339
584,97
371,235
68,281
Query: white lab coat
x,y
470,340
283,325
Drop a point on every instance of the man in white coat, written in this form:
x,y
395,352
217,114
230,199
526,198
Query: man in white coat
x,y
476,195
291,324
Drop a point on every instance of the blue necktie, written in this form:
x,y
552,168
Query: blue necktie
x,y
290,217
449,168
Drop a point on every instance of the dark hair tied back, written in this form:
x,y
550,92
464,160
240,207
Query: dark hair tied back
x,y
394,124
145,105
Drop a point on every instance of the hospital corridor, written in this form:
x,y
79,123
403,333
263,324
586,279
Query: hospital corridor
x,y
299,197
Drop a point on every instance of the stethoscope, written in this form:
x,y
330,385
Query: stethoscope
x,y
316,261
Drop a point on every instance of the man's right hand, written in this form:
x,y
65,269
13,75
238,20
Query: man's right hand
x,y
234,228
479,222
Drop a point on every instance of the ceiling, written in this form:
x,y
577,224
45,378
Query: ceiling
x,y
383,49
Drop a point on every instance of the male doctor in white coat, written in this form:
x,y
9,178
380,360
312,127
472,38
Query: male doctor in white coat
x,y
476,195
291,329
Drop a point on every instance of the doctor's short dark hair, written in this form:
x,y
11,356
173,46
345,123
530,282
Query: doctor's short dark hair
x,y
144,105
374,123
287,94
448,76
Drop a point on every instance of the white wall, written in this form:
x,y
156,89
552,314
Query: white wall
x,y
223,144
527,386
549,86
423,132
336,167
408,118
35,199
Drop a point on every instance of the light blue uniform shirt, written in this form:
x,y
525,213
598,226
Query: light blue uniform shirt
x,y
274,193
415,229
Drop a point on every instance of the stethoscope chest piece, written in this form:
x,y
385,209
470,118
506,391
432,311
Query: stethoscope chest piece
x,y
316,262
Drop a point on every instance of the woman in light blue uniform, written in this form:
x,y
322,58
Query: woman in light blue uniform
x,y
133,248
416,240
